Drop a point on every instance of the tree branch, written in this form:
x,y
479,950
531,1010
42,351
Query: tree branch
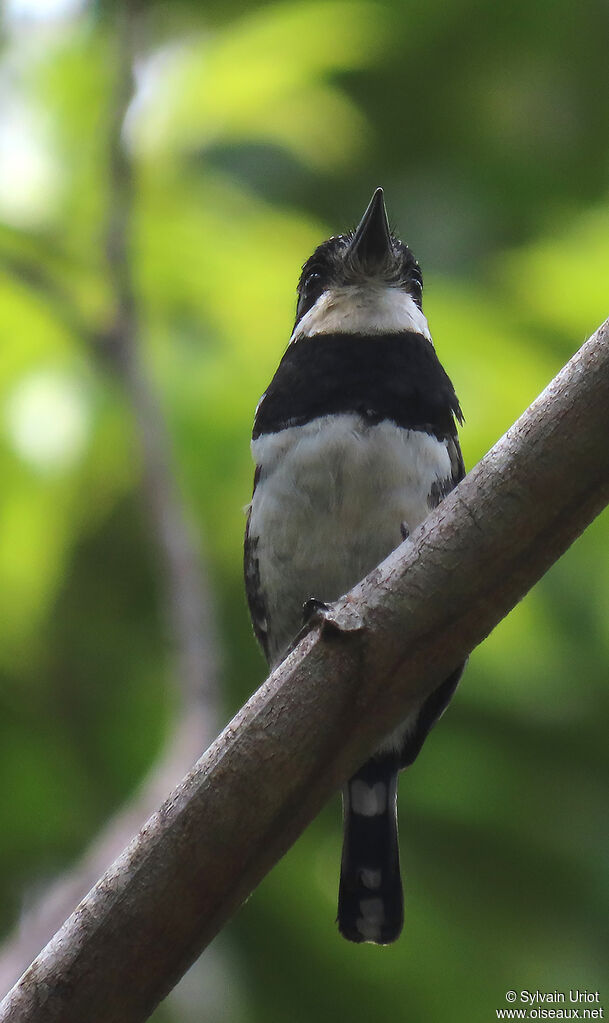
x,y
184,589
387,643
46,914
187,598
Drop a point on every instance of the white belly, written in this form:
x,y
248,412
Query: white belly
x,y
329,506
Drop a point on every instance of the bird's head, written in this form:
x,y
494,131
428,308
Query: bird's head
x,y
363,282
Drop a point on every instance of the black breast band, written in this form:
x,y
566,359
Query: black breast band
x,y
395,376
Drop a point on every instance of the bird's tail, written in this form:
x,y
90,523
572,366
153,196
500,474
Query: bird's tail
x,y
370,901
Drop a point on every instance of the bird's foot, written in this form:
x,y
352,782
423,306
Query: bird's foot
x,y
332,618
315,610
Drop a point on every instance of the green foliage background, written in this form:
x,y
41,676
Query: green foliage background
x,y
256,131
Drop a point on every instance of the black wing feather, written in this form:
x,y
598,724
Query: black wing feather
x,y
253,589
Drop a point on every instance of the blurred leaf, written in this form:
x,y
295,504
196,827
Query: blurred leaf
x,y
260,78
561,280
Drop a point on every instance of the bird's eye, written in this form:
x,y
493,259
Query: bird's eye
x,y
309,291
415,285
312,282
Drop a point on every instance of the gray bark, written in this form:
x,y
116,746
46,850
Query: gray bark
x,y
351,678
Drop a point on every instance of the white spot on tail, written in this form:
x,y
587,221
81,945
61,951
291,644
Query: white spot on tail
x,y
370,878
373,916
368,800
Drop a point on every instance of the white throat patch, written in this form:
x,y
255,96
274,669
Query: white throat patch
x,y
362,309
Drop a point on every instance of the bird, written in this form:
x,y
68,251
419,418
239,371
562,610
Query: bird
x,y
354,443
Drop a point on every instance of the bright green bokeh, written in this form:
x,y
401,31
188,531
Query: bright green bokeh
x,y
257,131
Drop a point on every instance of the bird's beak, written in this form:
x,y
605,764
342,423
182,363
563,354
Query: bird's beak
x,y
371,243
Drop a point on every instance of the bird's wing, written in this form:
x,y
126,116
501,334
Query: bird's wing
x,y
253,588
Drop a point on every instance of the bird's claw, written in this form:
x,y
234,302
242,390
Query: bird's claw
x,y
331,618
315,610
